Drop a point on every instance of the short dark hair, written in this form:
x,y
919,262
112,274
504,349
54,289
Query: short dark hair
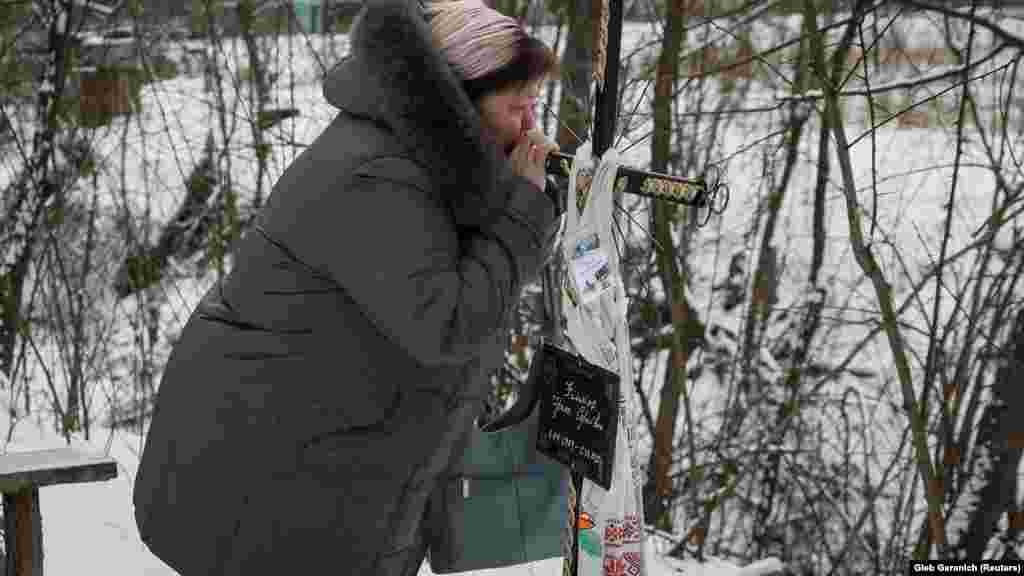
x,y
533,61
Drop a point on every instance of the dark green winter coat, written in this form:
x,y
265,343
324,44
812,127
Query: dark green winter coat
x,y
317,393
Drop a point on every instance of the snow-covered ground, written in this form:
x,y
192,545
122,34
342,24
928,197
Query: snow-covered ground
x,y
89,528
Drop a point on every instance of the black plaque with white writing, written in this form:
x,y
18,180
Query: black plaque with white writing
x,y
579,412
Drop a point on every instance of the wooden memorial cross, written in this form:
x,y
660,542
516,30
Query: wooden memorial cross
x,y
21,476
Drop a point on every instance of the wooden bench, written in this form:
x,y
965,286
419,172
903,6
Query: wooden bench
x,y
21,476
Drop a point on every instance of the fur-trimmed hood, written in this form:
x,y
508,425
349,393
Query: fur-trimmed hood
x,y
396,76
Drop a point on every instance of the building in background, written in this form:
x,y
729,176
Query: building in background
x,y
284,16
309,16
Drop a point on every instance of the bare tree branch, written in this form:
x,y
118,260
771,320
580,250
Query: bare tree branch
x,y
1006,36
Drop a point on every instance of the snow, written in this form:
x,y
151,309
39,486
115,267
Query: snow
x,y
101,41
90,529
87,525
761,568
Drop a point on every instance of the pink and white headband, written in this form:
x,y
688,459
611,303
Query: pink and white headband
x,y
474,38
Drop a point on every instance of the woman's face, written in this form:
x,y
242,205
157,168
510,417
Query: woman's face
x,y
507,114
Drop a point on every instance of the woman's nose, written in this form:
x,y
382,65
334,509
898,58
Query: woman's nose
x,y
528,120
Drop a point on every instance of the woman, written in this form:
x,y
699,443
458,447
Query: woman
x,y
320,391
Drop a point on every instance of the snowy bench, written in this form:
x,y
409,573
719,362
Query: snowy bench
x,y
21,476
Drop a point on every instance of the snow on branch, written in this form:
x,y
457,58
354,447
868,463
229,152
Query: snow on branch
x,y
903,84
1005,35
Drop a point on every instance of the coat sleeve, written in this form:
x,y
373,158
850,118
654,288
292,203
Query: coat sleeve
x,y
400,259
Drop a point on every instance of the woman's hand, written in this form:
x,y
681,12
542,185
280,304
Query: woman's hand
x,y
529,155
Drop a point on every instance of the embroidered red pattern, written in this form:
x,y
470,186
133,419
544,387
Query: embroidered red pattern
x,y
614,566
632,560
613,532
631,529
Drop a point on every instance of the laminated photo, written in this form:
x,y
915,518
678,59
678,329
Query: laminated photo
x,y
591,269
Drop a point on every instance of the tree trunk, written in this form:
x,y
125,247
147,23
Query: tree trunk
x,y
573,114
40,181
663,216
259,95
226,217
991,489
574,110
546,115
